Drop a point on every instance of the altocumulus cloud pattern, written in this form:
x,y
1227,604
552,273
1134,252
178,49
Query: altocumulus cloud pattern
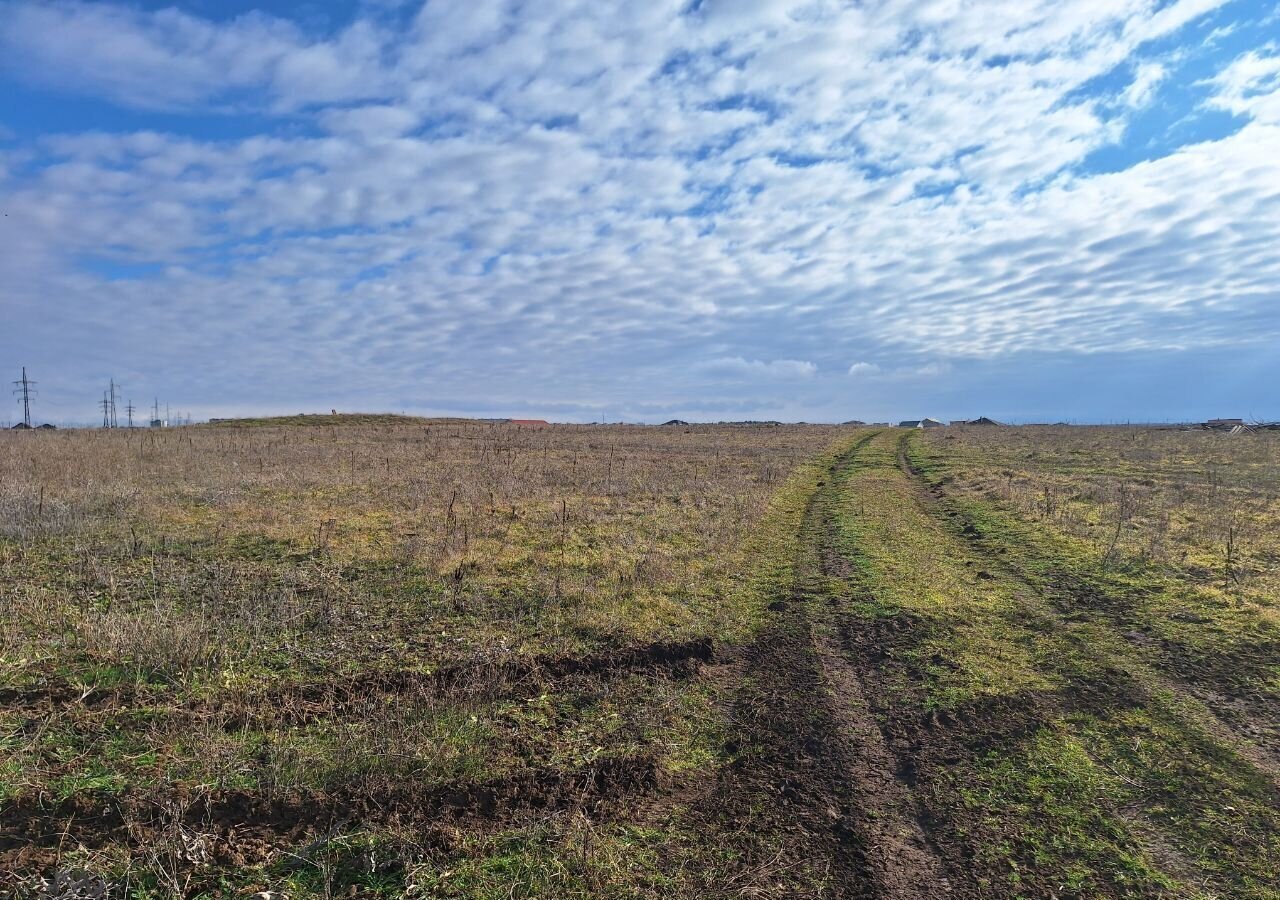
x,y
718,209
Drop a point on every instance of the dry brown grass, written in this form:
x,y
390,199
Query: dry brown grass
x,y
1205,506
197,544
360,609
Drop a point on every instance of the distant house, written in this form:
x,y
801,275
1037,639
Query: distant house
x,y
22,426
1223,424
535,423
854,422
932,423
982,420
909,423
676,422
46,427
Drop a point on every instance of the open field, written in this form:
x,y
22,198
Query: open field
x,y
396,658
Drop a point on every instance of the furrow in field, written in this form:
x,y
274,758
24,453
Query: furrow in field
x,y
301,703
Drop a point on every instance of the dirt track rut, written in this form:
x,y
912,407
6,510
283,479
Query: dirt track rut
x,y
822,758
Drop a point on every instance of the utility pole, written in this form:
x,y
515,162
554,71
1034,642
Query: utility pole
x,y
129,412
23,387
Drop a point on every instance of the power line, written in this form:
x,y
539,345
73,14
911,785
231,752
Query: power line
x,y
23,386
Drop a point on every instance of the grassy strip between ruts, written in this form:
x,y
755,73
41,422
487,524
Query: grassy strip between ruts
x,y
1066,770
1190,630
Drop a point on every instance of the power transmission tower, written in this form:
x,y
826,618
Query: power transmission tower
x,y
115,423
155,411
23,387
106,410
129,412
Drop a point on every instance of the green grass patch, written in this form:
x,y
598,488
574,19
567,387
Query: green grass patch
x,y
1043,818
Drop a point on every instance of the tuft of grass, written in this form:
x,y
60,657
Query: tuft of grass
x,y
571,858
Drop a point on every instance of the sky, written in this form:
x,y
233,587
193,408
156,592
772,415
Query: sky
x,y
604,210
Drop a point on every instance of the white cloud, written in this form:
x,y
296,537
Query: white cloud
x,y
1170,18
932,370
606,196
1146,80
777,368
1250,86
175,61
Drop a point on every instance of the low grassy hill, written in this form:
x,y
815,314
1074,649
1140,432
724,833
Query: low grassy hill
x,y
322,419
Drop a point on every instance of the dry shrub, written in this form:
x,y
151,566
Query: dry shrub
x,y
29,509
167,645
1202,504
26,512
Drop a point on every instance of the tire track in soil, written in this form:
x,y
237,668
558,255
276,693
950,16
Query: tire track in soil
x,y
241,827
1130,680
900,851
305,702
926,745
820,764
1252,721
869,754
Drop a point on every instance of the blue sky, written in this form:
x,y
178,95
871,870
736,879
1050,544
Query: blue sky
x,y
598,210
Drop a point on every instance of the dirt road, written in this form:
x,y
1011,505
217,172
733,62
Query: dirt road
x,y
920,718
